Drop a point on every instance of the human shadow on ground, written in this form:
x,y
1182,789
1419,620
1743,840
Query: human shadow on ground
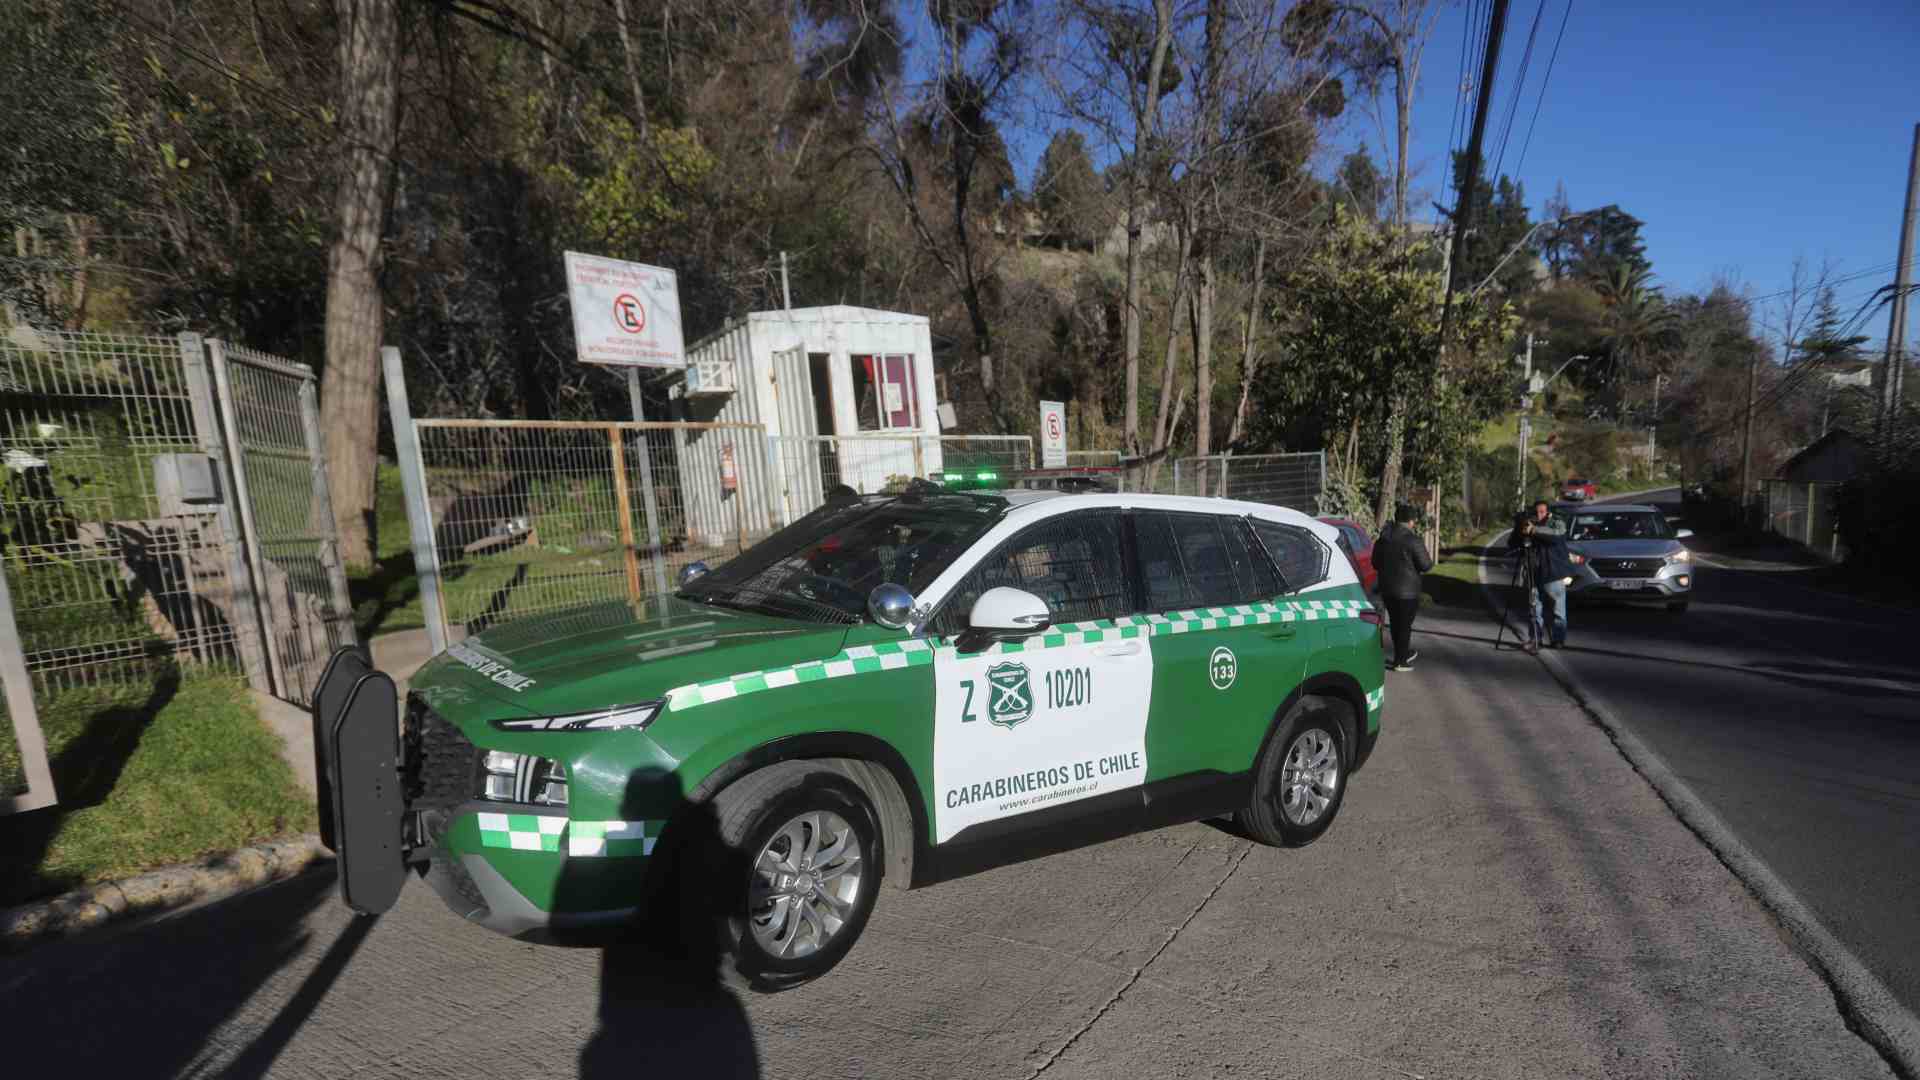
x,y
664,1007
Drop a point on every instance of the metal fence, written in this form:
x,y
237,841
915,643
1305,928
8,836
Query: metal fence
x,y
1077,459
270,411
1290,480
1806,514
1000,454
130,546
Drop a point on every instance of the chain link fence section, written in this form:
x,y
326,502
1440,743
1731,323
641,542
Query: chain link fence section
x,y
1291,480
270,410
120,550
1082,459
537,517
1002,455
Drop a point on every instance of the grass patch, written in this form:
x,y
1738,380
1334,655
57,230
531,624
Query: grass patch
x,y
1454,580
13,772
149,774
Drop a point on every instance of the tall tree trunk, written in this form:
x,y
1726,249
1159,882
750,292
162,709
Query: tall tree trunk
x,y
1403,121
1203,358
369,58
1396,443
1143,137
1170,369
1249,360
633,76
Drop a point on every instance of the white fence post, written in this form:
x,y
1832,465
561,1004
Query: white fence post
x,y
22,716
413,483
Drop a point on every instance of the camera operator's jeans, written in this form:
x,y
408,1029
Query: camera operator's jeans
x,y
1550,593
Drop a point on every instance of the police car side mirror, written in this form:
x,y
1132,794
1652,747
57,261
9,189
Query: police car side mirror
x,y
1683,534
1003,614
890,605
691,571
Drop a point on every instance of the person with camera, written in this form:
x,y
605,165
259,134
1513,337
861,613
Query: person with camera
x,y
1546,571
1400,556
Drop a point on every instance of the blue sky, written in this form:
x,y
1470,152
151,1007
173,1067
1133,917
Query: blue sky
x,y
1743,135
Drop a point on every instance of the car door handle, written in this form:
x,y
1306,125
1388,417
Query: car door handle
x,y
1281,632
1121,648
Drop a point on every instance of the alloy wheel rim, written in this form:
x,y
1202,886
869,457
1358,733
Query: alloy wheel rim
x,y
1310,777
805,883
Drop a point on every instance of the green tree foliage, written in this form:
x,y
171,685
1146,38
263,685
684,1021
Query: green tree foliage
x,y
1360,186
1589,247
1068,192
1500,226
1361,320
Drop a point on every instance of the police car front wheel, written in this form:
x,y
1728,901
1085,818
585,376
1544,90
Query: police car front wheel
x,y
785,884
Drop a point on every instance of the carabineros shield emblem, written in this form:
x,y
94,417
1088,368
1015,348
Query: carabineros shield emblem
x,y
1009,694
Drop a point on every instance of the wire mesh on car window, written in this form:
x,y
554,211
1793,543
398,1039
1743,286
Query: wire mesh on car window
x,y
1199,560
1298,554
1160,568
1072,563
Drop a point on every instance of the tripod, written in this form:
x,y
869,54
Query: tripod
x,y
1522,585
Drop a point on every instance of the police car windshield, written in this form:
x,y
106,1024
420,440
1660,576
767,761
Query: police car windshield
x,y
1620,525
821,568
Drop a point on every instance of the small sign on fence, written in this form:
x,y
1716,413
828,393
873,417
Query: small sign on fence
x,y
1053,435
625,313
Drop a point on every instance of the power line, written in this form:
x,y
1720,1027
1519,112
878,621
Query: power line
x,y
1528,141
1460,81
1519,90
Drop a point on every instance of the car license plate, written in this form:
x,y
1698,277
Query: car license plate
x,y
1627,583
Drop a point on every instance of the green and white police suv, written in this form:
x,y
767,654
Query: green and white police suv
x,y
894,688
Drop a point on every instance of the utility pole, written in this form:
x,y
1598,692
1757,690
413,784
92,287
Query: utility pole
x,y
1525,427
1746,440
1896,373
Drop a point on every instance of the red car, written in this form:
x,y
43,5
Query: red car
x,y
1578,490
1359,546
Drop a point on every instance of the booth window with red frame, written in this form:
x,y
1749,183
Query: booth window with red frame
x,y
885,393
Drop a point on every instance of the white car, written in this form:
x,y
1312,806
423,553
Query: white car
x,y
1627,552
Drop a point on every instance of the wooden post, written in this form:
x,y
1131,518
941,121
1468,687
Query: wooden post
x,y
624,506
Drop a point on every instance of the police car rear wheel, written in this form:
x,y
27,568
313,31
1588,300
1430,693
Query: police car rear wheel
x,y
1301,777
789,878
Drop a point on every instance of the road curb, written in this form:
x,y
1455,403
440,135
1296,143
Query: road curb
x,y
1869,1009
157,892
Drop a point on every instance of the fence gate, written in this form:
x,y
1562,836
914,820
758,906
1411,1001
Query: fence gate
x,y
269,409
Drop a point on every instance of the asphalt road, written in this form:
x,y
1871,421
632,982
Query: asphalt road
x,y
1795,714
1503,896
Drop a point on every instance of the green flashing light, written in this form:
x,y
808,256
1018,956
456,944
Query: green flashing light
x,y
987,476
953,477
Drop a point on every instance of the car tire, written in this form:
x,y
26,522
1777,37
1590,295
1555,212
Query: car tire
x,y
1300,780
752,828
1677,607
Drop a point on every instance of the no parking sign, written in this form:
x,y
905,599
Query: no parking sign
x,y
624,313
1053,435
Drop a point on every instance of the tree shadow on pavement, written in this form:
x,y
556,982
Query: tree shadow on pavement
x,y
148,1000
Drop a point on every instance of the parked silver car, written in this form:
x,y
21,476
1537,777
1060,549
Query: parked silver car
x,y
1627,552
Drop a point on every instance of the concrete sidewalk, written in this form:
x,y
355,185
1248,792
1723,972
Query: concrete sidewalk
x,y
399,654
1503,896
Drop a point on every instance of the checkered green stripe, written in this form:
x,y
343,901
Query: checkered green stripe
x,y
613,838
916,652
1376,699
521,832
544,832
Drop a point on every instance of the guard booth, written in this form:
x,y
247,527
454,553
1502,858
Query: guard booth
x,y
845,395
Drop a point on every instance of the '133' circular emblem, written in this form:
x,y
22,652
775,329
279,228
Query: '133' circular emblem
x,y
1223,667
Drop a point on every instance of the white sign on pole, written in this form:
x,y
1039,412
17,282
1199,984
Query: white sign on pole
x,y
1053,435
625,313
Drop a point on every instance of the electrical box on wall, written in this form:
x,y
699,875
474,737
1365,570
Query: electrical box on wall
x,y
185,484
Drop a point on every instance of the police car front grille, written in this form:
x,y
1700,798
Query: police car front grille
x,y
1624,568
442,765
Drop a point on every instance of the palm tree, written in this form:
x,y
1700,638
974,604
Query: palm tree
x,y
1638,318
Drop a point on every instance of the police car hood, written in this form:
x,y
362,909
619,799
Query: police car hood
x,y
1624,549
588,658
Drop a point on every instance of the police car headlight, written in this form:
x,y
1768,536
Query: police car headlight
x,y
1681,556
523,778
621,718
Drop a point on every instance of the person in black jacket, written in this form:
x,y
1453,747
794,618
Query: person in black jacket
x,y
1400,556
1549,572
